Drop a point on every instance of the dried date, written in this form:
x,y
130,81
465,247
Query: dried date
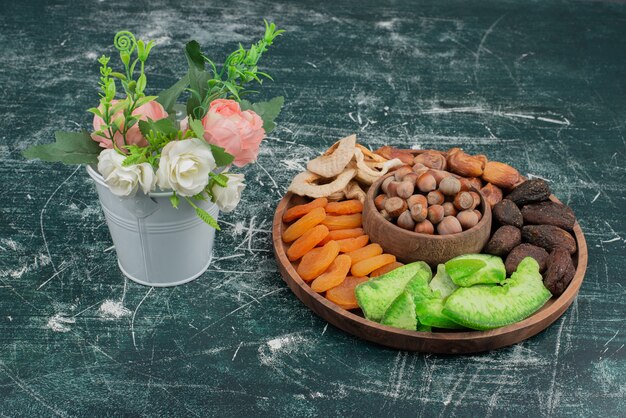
x,y
507,213
549,237
549,213
503,241
530,191
522,251
560,271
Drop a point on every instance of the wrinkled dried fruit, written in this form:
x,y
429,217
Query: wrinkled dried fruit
x,y
368,251
507,213
503,241
308,221
549,237
492,194
307,242
464,164
385,269
316,261
333,276
431,159
501,175
530,191
390,153
339,234
350,244
343,221
365,267
346,207
522,251
343,295
559,272
299,211
549,213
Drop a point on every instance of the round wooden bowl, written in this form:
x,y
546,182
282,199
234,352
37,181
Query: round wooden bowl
x,y
409,246
433,342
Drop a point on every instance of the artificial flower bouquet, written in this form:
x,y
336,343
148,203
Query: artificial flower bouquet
x,y
139,144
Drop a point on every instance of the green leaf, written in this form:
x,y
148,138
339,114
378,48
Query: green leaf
x,y
220,179
144,100
198,77
197,128
165,126
200,196
222,158
174,200
208,219
268,111
95,111
167,98
132,159
141,83
194,55
69,148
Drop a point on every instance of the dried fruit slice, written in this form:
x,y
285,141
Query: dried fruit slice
x,y
299,211
308,221
386,269
365,267
306,184
442,282
343,221
316,261
352,244
401,313
333,276
368,251
331,165
375,295
428,304
340,234
306,242
343,295
347,207
485,307
470,269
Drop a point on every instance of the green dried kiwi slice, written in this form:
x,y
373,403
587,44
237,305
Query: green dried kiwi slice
x,y
470,269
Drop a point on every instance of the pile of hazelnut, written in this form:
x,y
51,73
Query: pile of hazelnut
x,y
422,196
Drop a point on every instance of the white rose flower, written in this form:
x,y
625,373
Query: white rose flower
x,y
227,198
124,181
185,166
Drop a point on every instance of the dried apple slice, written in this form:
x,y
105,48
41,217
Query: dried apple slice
x,y
334,163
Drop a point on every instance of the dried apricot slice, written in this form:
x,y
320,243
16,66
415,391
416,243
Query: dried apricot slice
x,y
350,244
334,276
347,207
316,261
308,221
365,267
307,242
339,234
343,221
299,211
368,251
386,269
343,295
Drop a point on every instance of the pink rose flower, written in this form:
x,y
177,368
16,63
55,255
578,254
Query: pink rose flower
x,y
152,110
239,132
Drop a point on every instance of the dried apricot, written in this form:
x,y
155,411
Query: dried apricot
x,y
343,221
316,261
365,267
386,269
350,244
368,251
299,211
308,221
347,207
343,295
340,234
334,276
307,242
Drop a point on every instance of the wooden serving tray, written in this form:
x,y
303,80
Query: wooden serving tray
x,y
444,342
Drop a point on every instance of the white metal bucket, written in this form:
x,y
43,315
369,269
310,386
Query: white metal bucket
x,y
157,245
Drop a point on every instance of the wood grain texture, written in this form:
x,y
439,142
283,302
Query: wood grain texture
x,y
538,85
409,246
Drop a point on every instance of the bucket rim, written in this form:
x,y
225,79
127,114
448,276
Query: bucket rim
x,y
94,174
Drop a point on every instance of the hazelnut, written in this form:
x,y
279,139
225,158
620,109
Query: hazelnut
x,y
425,227
467,218
420,169
449,209
476,197
450,186
438,174
415,199
492,194
419,212
426,182
435,197
475,182
411,177
501,175
401,171
431,159
435,214
379,201
464,164
385,184
480,215
405,221
385,215
395,206
466,184
463,201
405,189
392,188
449,225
